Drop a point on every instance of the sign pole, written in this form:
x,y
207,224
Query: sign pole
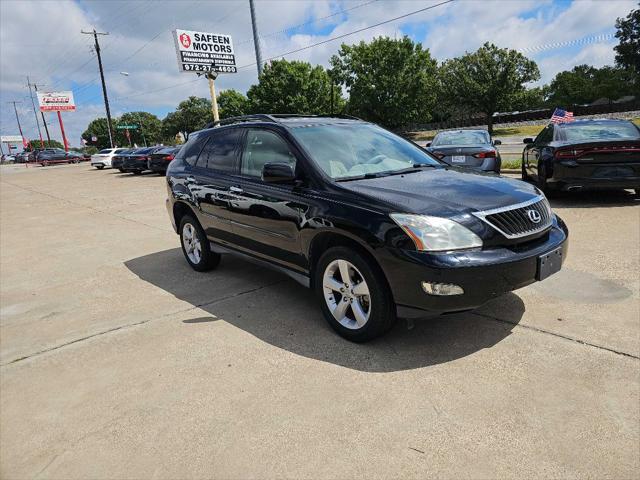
x,y
214,100
64,138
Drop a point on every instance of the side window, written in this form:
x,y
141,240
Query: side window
x,y
220,151
545,135
189,153
262,147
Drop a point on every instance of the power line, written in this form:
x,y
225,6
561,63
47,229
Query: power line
x,y
315,20
297,50
338,37
569,43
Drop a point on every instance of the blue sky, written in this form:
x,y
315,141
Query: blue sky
x,y
56,54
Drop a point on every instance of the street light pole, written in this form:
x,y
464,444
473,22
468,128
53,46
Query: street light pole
x,y
256,39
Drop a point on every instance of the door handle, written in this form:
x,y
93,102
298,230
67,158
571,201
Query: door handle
x,y
190,179
235,190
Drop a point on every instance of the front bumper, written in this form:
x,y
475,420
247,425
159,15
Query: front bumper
x,y
483,274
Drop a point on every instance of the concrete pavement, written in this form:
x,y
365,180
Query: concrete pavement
x,y
119,361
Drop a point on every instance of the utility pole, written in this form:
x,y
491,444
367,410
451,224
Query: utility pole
x,y
18,119
256,39
35,113
46,129
104,86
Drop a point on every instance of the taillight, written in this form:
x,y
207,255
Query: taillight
x,y
168,157
568,153
489,154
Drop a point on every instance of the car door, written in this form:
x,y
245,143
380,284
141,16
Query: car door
x,y
267,217
212,176
539,144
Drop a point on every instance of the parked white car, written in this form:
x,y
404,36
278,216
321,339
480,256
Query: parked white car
x,y
103,157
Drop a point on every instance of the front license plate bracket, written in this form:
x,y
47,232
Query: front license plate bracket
x,y
549,263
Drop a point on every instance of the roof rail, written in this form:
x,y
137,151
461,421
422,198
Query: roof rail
x,y
272,118
258,117
294,115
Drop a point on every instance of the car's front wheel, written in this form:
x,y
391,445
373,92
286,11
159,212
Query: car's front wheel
x,y
196,247
354,295
99,167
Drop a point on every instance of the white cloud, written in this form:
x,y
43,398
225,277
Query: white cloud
x,y
54,52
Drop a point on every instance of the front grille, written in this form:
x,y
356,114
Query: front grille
x,y
516,221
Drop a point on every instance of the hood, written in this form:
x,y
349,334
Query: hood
x,y
443,192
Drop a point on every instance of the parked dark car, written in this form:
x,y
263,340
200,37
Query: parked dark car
x,y
136,161
22,157
160,159
374,224
584,154
467,148
53,156
118,158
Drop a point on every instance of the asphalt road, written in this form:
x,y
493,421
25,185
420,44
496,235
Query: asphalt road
x,y
119,361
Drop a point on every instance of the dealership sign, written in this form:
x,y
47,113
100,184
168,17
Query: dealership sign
x,y
56,101
11,139
202,52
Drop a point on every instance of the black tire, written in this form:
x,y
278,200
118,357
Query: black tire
x,y
382,314
121,170
99,167
542,179
208,259
137,172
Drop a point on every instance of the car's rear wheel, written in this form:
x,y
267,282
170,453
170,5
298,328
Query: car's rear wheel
x,y
99,167
354,295
121,170
196,246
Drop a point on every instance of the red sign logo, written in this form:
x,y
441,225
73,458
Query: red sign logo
x,y
185,40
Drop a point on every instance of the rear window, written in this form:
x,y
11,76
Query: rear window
x,y
600,131
190,151
461,138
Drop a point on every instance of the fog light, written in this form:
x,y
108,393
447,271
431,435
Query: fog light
x,y
442,288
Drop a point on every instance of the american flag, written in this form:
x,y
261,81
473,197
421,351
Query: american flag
x,y
561,116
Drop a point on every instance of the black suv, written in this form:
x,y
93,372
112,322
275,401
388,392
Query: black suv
x,y
377,226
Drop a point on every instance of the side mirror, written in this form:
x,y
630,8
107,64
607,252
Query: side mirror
x,y
428,144
497,142
527,140
278,173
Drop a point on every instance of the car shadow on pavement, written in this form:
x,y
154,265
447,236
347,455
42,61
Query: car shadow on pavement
x,y
596,198
279,311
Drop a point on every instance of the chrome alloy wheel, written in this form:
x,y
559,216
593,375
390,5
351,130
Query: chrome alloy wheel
x,y
347,294
191,243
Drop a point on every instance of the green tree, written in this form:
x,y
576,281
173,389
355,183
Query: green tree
x,y
571,87
628,49
488,79
232,103
293,87
149,129
99,129
191,115
527,99
392,82
47,144
585,84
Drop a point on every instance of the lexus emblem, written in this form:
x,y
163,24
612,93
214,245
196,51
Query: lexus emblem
x,y
534,216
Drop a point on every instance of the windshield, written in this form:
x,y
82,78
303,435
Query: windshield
x,y
468,137
600,131
107,150
352,150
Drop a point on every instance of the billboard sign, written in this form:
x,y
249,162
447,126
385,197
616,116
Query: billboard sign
x,y
56,101
202,52
11,139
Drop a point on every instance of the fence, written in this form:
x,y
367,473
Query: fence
x,y
540,114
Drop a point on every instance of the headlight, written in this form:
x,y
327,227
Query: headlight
x,y
435,234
